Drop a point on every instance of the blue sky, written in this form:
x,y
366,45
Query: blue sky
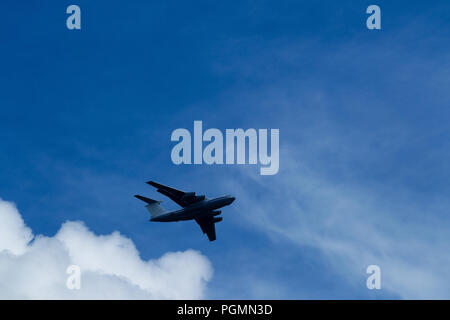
x,y
86,118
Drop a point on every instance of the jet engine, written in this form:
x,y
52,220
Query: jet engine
x,y
191,197
218,219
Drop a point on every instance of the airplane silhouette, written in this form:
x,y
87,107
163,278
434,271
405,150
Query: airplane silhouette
x,y
198,208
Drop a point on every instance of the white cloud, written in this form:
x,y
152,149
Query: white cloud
x,y
110,264
14,235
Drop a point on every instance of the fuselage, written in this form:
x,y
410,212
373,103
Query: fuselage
x,y
196,210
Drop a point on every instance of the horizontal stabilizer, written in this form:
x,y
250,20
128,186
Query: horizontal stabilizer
x,y
147,200
153,206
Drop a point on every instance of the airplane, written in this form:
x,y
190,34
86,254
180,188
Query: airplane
x,y
198,208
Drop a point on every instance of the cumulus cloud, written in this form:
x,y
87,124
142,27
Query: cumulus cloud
x,y
34,267
14,235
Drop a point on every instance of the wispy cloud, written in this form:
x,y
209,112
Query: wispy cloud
x,y
355,226
363,154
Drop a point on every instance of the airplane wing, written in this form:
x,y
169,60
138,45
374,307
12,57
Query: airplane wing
x,y
182,198
208,226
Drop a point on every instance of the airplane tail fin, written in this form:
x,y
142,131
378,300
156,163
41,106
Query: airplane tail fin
x,y
152,206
